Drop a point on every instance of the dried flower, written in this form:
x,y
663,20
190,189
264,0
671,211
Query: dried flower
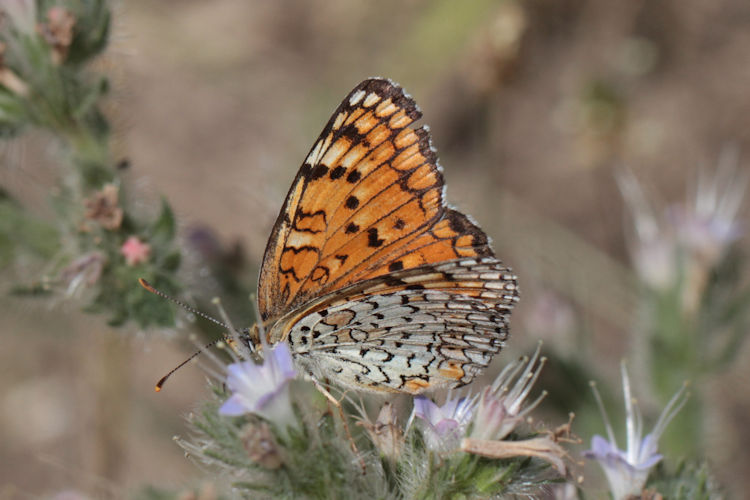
x,y
446,424
262,389
385,433
627,470
85,270
135,251
261,446
102,207
501,407
543,447
8,78
58,32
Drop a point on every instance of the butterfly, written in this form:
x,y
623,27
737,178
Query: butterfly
x,y
370,277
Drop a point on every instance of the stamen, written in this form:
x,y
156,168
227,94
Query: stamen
x,y
605,417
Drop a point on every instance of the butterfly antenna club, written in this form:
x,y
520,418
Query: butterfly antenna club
x,y
162,380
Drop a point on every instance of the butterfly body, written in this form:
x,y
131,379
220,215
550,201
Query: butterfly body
x,y
374,282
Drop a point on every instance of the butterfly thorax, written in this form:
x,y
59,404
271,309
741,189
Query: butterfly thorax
x,y
253,339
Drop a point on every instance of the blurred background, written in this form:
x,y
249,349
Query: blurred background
x,y
536,108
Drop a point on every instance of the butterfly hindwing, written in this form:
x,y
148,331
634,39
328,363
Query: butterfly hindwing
x,y
434,326
409,331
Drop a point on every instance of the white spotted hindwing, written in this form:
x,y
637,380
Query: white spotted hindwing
x,y
417,329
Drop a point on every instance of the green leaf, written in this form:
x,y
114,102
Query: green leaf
x,y
91,31
22,232
162,231
171,262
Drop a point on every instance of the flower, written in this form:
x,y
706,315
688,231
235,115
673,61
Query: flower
x,y
627,470
262,389
385,433
501,407
135,251
102,207
8,78
542,447
491,415
58,32
86,269
446,424
707,224
684,242
261,446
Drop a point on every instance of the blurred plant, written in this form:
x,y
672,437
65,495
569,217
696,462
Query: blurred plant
x,y
695,305
595,117
206,491
97,246
466,447
688,481
627,470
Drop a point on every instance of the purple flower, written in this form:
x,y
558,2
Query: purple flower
x,y
262,389
446,424
627,470
501,405
682,243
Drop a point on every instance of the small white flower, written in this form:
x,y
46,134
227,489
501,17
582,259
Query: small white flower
x,y
685,241
708,224
262,389
444,425
495,412
501,405
627,470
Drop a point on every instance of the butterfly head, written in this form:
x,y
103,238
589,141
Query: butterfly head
x,y
246,343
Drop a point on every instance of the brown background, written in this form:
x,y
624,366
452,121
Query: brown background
x,y
532,105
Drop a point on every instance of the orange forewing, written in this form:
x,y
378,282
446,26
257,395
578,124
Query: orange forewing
x,y
366,201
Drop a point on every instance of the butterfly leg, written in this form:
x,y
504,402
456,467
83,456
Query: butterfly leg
x,y
340,408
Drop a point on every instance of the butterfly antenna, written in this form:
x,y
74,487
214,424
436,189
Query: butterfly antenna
x,y
145,284
161,381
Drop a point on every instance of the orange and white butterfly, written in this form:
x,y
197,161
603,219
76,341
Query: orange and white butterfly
x,y
372,280
369,277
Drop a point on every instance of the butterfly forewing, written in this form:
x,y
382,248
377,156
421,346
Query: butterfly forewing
x,y
369,190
